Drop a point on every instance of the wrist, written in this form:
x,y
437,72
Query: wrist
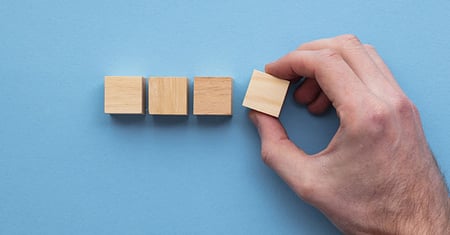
x,y
408,216
437,221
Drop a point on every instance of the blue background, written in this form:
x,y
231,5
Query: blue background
x,y
68,168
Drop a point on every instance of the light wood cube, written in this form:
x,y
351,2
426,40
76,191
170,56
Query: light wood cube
x,y
168,95
213,95
124,95
266,93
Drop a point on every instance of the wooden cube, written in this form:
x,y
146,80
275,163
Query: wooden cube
x,y
168,95
213,95
266,93
124,95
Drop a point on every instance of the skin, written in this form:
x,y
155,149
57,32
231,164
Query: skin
x,y
377,175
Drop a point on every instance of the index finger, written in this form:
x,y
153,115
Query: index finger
x,y
337,80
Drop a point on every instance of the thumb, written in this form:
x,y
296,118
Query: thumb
x,y
280,153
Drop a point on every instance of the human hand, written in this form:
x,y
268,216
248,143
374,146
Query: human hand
x,y
377,175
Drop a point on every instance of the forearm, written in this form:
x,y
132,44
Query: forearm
x,y
426,207
440,225
425,212
399,204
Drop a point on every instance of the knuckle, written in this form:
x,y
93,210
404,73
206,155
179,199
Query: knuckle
x,y
326,60
379,117
292,55
266,155
329,54
414,108
374,123
348,40
306,190
404,107
370,47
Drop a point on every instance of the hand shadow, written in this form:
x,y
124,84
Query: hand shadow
x,y
170,120
207,121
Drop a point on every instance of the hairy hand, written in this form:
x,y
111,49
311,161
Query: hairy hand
x,y
377,175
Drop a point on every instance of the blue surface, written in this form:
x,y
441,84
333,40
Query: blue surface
x,y
67,168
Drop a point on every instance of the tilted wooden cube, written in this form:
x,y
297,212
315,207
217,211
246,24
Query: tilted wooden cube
x,y
168,95
124,95
213,95
266,93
